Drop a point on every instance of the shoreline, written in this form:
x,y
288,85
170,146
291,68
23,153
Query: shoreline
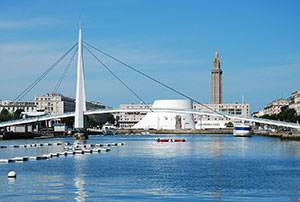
x,y
51,134
208,131
281,135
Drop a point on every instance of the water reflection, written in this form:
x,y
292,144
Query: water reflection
x,y
243,144
80,169
217,149
11,181
205,167
81,193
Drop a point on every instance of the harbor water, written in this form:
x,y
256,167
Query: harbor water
x,y
204,168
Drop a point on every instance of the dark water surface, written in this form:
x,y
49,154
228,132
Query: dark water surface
x,y
204,168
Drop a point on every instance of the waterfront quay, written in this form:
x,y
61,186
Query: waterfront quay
x,y
177,131
282,135
53,134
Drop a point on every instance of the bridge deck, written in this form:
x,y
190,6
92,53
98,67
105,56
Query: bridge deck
x,y
181,111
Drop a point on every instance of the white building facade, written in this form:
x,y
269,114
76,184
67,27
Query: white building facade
x,y
162,120
53,103
207,122
168,121
12,106
129,119
294,101
275,106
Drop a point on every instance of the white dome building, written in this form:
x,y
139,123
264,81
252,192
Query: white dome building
x,y
168,121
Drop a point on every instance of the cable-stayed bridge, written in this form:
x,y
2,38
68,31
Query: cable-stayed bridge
x,y
164,110
80,107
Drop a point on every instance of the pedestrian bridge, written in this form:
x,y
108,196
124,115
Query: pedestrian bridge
x,y
80,104
162,110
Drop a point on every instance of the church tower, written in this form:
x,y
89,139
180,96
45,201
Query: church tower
x,y
216,81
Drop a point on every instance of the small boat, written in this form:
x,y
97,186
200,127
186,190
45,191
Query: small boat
x,y
242,130
162,140
170,140
108,129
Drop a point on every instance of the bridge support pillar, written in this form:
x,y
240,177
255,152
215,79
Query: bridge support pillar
x,y
80,135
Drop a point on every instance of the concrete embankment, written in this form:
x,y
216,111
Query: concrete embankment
x,y
211,131
281,135
11,135
42,134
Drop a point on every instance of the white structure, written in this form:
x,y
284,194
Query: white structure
x,y
294,101
208,121
275,106
12,106
32,114
242,130
80,107
53,103
177,111
258,113
168,121
129,119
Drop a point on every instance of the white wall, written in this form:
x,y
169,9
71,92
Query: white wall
x,y
159,120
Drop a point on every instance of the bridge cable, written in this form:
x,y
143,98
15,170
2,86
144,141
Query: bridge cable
x,y
151,78
57,86
33,84
118,78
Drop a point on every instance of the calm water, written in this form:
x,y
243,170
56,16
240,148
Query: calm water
x,y
204,168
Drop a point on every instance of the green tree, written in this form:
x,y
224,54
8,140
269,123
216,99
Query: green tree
x,y
17,113
4,112
229,124
286,114
91,122
69,121
5,115
111,118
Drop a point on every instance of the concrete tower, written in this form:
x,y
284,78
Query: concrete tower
x,y
216,81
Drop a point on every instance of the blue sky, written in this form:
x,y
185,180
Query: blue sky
x,y
173,41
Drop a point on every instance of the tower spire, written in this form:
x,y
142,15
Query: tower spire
x,y
80,90
217,54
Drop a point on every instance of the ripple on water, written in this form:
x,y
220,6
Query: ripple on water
x,y
205,167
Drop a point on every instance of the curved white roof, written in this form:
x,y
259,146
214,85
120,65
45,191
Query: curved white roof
x,y
168,120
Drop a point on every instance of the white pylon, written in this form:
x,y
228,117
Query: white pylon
x,y
80,90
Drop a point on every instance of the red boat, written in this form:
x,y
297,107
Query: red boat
x,y
170,140
162,140
179,140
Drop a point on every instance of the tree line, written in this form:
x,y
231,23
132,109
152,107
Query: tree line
x,y
5,115
286,114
